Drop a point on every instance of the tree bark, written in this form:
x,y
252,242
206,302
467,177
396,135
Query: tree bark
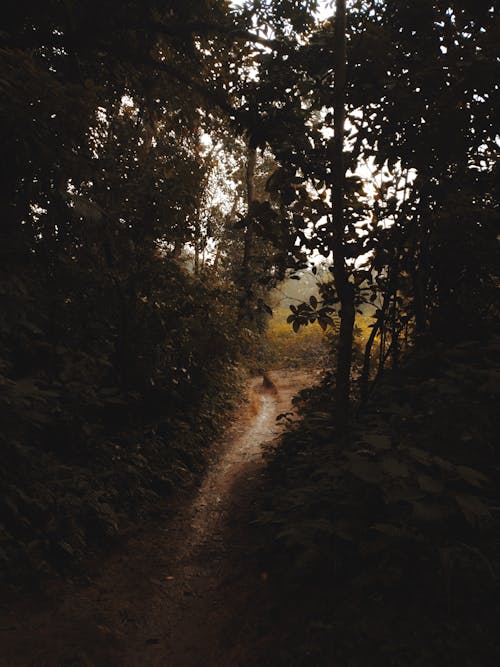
x,y
248,238
250,187
177,251
196,248
344,287
365,374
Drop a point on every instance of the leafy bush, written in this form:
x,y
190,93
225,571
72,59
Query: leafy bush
x,y
100,421
399,520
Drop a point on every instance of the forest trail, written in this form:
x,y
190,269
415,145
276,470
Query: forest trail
x,y
183,595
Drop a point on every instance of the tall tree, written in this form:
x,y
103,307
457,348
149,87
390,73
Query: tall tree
x,y
344,287
248,239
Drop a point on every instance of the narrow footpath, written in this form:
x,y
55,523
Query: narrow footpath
x,y
184,595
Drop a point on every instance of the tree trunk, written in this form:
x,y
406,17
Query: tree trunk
x,y
250,187
420,243
217,259
246,299
365,374
177,251
418,302
345,289
196,256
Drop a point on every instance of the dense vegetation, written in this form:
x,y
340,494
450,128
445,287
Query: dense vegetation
x,y
390,537
166,166
117,354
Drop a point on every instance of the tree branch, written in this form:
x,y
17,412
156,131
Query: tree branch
x,y
205,27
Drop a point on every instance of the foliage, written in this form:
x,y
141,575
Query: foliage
x,y
117,363
138,247
397,522
421,200
281,347
93,435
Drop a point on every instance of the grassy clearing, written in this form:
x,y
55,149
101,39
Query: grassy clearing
x,y
281,347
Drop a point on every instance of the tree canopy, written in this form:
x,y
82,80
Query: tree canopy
x,y
165,164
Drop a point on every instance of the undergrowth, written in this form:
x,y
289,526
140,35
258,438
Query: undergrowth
x,y
280,347
385,542
99,424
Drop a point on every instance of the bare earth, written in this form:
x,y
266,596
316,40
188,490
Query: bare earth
x,y
186,594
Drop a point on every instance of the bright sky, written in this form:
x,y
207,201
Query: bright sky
x,y
371,177
325,7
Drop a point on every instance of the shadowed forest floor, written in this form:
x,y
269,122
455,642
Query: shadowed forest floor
x,y
181,594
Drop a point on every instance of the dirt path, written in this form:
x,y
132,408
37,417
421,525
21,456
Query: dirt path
x,y
184,595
